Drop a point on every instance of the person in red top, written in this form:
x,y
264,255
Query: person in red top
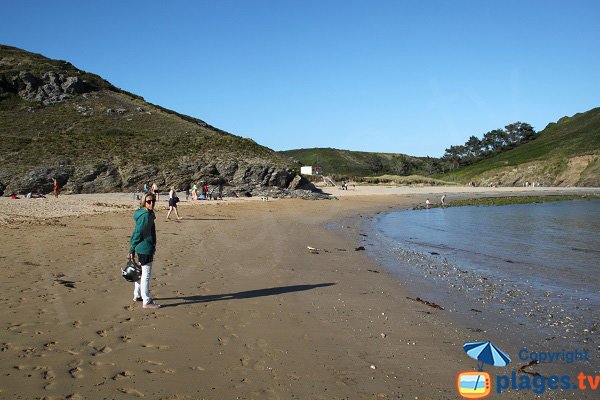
x,y
55,187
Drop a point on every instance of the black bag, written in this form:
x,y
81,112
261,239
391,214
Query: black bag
x,y
176,199
131,272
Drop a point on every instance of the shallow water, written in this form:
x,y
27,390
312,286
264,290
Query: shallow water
x,y
550,244
533,264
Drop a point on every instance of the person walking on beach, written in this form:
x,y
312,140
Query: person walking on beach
x,y
55,187
173,200
443,200
143,243
194,191
427,203
155,191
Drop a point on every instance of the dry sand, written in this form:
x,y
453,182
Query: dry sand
x,y
249,312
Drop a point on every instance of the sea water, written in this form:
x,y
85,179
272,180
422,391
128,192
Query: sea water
x,y
532,265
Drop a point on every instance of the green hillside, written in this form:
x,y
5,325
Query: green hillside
x,y
56,120
359,163
565,153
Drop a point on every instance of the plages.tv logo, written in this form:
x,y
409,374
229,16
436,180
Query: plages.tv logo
x,y
477,384
473,385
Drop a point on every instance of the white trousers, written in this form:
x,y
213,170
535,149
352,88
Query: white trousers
x,y
142,287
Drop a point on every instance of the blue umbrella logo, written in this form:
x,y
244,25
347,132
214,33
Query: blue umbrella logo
x,y
486,353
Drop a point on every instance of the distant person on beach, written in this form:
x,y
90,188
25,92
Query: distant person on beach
x,y
443,200
205,191
194,191
143,243
173,200
220,192
427,203
145,190
155,191
55,187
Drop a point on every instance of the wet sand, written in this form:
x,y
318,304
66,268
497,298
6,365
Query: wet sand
x,y
250,312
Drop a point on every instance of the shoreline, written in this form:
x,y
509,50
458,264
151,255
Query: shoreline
x,y
30,211
431,277
249,311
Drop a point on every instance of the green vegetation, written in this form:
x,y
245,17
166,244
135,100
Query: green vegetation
x,y
502,201
492,143
569,137
346,163
106,124
402,180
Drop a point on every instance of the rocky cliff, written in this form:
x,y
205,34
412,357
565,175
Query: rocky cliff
x,y
59,121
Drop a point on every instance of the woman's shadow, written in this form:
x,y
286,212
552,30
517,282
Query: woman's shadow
x,y
240,295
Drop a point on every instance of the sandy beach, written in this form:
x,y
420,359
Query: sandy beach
x,y
249,312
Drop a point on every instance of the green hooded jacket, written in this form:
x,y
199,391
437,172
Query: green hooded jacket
x,y
143,238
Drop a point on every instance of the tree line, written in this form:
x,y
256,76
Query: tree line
x,y
492,143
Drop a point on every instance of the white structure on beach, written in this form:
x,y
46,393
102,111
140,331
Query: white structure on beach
x,y
310,170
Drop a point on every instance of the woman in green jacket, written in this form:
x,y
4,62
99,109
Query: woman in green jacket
x,y
143,242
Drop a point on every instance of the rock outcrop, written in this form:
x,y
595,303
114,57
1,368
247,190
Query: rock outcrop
x,y
238,179
49,88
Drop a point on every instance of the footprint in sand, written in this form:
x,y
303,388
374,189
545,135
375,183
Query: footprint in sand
x,y
48,374
198,325
156,346
168,371
50,345
75,396
122,375
259,366
102,350
76,324
131,392
125,338
198,368
262,344
101,364
102,333
76,373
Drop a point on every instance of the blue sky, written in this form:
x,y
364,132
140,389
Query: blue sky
x,y
394,76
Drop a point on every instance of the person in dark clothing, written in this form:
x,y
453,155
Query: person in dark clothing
x,y
143,243
173,200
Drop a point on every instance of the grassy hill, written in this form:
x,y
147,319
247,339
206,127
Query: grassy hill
x,y
566,152
56,120
358,163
